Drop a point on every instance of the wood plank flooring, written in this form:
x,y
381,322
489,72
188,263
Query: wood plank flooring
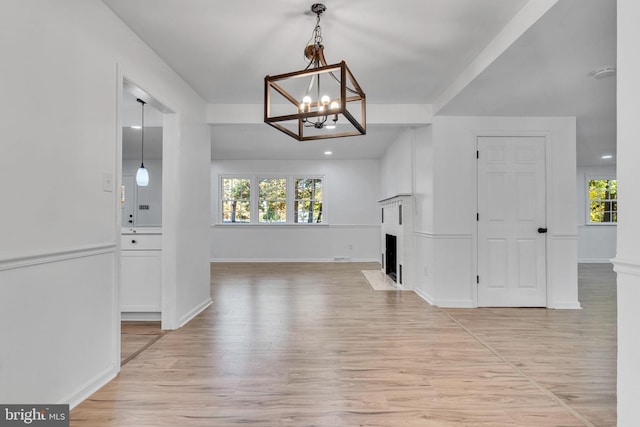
x,y
136,336
311,344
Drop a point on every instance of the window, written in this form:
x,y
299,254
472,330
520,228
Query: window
x,y
603,201
271,199
308,200
272,205
236,205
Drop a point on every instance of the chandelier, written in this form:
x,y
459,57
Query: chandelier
x,y
321,101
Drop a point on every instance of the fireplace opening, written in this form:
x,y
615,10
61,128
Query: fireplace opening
x,y
391,256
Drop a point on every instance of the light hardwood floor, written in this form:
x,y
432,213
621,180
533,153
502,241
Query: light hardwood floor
x,y
313,345
135,337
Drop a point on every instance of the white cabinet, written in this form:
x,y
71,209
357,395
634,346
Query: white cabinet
x,y
141,276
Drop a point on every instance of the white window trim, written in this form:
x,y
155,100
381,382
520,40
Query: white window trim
x,y
587,203
256,202
255,197
221,178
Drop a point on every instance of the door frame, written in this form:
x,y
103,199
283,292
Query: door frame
x,y
170,191
474,184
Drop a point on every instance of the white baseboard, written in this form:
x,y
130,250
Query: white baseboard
x,y
195,311
444,303
93,385
594,261
424,296
454,303
567,306
217,260
141,316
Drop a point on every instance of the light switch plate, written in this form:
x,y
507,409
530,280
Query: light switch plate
x,y
107,182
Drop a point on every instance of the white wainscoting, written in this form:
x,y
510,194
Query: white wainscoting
x,y
295,243
445,269
60,313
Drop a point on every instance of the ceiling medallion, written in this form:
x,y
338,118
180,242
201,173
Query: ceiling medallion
x,y
321,101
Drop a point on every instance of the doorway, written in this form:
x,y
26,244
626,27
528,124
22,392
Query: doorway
x,y
511,230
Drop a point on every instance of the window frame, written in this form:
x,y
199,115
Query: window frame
x,y
293,191
254,199
259,199
221,199
588,200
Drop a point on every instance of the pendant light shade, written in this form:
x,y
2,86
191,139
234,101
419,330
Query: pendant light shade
x,y
142,176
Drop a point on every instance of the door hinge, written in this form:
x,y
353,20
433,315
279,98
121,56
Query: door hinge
x,y
477,154
478,216
478,279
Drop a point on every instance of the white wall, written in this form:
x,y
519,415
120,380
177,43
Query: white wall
x,y
396,166
596,243
627,261
446,185
61,79
424,199
351,192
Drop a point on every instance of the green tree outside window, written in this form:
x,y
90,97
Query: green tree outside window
x,y
308,200
603,201
236,200
272,205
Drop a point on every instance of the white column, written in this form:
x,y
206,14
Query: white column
x,y
627,261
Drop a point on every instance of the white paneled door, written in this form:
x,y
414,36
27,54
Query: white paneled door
x,y
511,222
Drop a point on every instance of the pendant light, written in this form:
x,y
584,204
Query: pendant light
x,y
297,104
142,176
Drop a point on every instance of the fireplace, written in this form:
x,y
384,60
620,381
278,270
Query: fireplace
x,y
396,240
391,256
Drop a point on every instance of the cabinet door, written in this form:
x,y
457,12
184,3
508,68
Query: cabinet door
x,y
140,281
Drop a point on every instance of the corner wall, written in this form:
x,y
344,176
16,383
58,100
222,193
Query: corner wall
x,y
59,252
627,261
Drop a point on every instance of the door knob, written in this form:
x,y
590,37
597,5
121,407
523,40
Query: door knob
x,y
542,230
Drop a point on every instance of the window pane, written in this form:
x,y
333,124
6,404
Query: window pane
x,y
308,200
235,211
235,200
603,205
272,206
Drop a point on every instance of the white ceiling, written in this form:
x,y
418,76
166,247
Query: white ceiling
x,y
403,52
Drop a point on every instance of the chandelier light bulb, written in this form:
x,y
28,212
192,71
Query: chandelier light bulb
x,y
325,100
306,99
335,105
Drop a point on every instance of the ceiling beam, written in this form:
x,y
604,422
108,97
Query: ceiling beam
x,y
521,22
386,114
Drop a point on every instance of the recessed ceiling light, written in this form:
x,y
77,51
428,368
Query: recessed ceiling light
x,y
328,153
607,156
136,127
